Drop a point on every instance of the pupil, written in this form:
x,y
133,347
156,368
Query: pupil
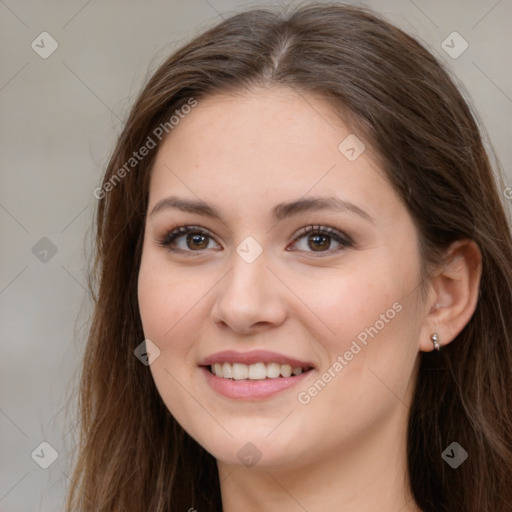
x,y
317,245
196,240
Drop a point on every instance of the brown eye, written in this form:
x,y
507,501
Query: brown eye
x,y
186,239
320,239
318,242
197,241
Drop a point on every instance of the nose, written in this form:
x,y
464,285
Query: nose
x,y
250,298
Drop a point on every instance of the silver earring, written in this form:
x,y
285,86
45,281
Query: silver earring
x,y
435,341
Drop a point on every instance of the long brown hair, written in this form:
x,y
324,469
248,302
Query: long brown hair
x,y
132,454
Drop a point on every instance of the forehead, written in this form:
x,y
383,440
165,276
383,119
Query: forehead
x,y
260,148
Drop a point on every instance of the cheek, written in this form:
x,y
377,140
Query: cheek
x,y
165,303
157,309
349,301
374,316
173,310
370,317
165,298
163,310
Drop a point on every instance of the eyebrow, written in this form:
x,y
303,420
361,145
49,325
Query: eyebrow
x,y
279,212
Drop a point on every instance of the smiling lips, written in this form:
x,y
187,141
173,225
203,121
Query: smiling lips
x,y
250,375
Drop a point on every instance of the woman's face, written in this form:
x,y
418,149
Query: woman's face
x,y
249,289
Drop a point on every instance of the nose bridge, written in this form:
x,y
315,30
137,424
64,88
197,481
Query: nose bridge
x,y
248,294
247,278
248,267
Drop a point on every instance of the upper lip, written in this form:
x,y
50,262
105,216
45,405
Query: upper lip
x,y
255,356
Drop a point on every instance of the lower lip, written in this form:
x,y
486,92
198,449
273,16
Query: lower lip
x,y
251,389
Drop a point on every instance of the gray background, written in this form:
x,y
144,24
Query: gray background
x,y
60,117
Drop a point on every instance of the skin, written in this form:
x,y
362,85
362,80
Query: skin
x,y
345,449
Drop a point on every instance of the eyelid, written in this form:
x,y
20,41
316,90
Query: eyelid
x,y
324,230
171,235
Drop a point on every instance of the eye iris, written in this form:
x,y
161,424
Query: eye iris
x,y
315,246
196,238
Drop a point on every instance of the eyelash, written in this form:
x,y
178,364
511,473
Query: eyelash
x,y
344,240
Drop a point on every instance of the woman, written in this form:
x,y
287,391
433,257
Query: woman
x,y
304,283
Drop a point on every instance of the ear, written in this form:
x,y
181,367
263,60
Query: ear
x,y
453,295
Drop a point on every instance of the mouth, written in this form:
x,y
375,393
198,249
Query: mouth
x,y
253,375
256,371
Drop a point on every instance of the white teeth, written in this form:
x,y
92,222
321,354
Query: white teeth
x,y
286,370
240,371
273,370
257,371
227,370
